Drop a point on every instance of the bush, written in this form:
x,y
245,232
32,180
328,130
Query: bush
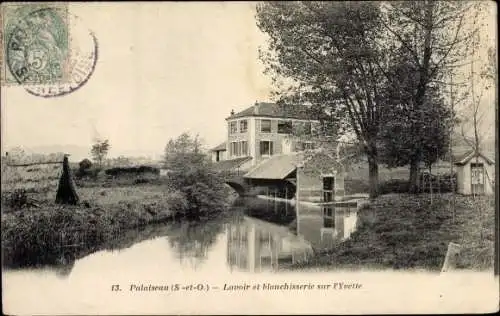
x,y
90,173
443,183
118,171
394,186
203,190
85,164
352,186
192,176
16,199
177,201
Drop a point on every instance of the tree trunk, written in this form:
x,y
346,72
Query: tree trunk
x,y
373,176
414,176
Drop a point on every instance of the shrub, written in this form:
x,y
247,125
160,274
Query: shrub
x,y
177,201
85,164
91,173
118,171
192,174
16,199
394,186
203,190
356,186
443,183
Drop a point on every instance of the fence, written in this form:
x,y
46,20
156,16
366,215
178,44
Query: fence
x,y
39,177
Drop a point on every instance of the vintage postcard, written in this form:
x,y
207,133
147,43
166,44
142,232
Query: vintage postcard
x,y
165,158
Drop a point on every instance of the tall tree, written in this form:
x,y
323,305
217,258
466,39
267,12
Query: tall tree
x,y
99,150
331,52
436,38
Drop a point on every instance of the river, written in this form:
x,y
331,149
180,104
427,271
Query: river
x,y
256,236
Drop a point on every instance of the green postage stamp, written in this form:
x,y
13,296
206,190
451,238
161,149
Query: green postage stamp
x,y
35,43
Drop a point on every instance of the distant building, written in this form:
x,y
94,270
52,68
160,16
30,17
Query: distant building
x,y
219,152
475,174
264,130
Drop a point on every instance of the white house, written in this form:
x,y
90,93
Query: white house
x,y
264,130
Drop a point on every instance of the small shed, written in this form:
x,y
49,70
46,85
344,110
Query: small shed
x,y
218,153
475,174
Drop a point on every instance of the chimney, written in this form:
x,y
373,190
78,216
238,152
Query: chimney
x,y
232,112
256,108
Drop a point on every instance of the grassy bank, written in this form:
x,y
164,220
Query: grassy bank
x,y
408,232
48,233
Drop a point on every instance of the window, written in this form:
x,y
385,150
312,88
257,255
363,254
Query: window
x,y
265,126
237,149
284,127
243,126
244,148
477,170
233,128
477,178
232,149
266,148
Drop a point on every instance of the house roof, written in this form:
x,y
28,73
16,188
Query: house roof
x,y
274,110
275,167
466,157
219,147
226,165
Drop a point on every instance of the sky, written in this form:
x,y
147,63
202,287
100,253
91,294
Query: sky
x,y
163,69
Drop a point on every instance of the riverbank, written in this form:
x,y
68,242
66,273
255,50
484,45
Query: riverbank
x,y
402,231
48,233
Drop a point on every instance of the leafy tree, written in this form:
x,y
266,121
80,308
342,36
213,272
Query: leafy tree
x,y
331,53
398,138
99,150
191,177
433,39
340,56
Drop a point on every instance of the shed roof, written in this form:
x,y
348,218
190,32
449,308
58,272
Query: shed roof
x,y
466,157
219,147
275,167
266,109
226,165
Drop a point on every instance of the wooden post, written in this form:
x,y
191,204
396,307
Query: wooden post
x,y
66,193
450,260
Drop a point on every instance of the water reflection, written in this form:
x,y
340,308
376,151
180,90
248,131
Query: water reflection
x,y
191,242
255,245
274,233
256,235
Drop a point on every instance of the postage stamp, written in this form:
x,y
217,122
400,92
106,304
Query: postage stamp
x,y
46,49
35,43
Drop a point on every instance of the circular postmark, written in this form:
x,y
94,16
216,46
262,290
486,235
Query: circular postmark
x,y
49,53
